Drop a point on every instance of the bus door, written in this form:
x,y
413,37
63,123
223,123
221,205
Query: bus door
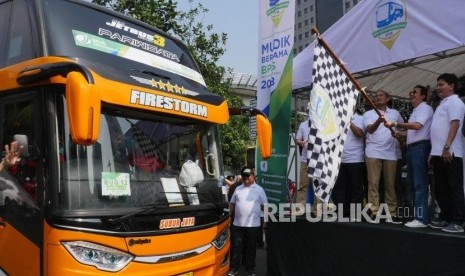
x,y
21,231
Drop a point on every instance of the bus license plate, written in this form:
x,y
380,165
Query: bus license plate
x,y
187,274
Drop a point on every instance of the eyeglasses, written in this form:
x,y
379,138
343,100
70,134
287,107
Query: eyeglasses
x,y
413,92
246,176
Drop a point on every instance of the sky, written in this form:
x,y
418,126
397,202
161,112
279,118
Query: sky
x,y
239,20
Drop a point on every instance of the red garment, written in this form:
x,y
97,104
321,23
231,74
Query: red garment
x,y
148,164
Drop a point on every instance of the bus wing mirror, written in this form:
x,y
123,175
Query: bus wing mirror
x,y
263,128
264,136
83,103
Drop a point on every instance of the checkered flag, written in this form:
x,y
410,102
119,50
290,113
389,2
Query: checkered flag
x,y
332,101
145,143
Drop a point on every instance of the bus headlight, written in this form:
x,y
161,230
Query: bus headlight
x,y
221,240
102,257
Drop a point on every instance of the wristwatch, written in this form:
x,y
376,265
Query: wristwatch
x,y
446,147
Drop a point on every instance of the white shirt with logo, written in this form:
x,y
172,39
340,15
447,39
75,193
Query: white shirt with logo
x,y
248,203
380,144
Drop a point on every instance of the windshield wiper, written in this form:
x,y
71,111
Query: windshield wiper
x,y
149,207
151,73
184,193
123,218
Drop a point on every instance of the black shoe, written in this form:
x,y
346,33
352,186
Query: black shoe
x,y
438,224
250,273
233,272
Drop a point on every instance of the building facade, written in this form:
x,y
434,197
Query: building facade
x,y
319,13
308,13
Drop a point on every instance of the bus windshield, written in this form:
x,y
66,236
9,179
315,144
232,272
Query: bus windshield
x,y
119,48
137,163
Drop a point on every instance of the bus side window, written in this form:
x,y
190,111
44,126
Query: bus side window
x,y
20,46
19,123
5,11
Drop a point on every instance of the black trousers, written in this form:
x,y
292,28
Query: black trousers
x,y
349,185
244,241
448,178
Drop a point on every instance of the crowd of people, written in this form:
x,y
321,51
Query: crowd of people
x,y
379,140
378,146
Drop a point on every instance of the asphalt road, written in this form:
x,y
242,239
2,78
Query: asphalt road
x,y
260,264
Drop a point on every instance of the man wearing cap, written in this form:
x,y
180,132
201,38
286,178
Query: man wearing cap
x,y
246,206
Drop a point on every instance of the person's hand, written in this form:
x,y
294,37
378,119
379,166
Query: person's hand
x,y
381,119
396,134
388,124
447,156
12,154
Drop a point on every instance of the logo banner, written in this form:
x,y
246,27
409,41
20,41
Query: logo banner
x,y
274,91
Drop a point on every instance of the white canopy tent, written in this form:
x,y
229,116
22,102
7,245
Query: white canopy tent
x,y
394,44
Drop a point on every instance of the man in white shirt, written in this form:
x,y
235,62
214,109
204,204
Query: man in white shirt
x,y
352,173
246,207
302,141
418,148
447,154
380,151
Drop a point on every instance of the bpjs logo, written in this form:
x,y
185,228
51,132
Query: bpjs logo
x,y
276,10
390,18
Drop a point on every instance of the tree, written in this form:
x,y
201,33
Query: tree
x,y
158,13
207,47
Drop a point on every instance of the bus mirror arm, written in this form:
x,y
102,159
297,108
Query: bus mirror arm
x,y
82,98
246,111
263,128
35,74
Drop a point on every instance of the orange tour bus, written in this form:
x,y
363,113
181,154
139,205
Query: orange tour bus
x,y
121,170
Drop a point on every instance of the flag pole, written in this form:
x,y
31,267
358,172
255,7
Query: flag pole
x,y
349,75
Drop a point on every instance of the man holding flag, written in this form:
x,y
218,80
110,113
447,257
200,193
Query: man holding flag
x,y
380,151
